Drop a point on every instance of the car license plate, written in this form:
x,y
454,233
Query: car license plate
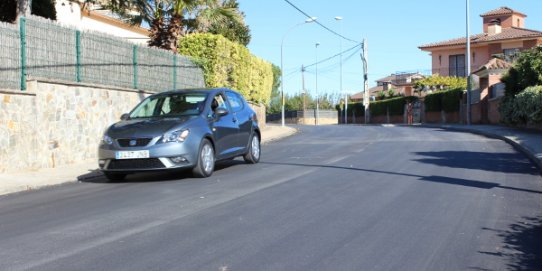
x,y
131,154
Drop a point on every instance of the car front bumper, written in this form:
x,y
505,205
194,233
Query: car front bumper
x,y
163,156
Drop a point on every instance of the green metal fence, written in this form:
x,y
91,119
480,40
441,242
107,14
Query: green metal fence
x,y
42,48
10,66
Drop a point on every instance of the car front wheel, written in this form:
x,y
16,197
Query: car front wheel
x,y
206,160
254,151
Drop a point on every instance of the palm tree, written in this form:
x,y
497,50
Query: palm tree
x,y
171,19
230,25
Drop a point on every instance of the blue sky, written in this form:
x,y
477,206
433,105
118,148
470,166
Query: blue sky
x,y
393,28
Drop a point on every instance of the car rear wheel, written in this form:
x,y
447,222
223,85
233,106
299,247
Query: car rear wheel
x,y
206,160
254,151
111,176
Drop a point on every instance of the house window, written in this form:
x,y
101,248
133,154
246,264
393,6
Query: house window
x,y
510,55
457,65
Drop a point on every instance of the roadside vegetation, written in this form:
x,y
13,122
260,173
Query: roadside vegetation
x,y
230,64
522,104
42,8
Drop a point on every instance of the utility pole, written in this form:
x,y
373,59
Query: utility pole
x,y
366,96
304,93
317,96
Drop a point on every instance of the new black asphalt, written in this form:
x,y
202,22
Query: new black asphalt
x,y
327,198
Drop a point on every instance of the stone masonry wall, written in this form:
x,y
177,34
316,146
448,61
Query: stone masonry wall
x,y
54,124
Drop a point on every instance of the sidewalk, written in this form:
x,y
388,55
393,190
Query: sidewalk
x,y
30,180
529,142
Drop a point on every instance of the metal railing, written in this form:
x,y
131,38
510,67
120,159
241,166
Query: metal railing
x,y
41,48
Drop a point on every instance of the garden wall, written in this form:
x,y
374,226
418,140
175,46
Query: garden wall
x,y
54,123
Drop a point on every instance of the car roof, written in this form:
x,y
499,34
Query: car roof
x,y
195,90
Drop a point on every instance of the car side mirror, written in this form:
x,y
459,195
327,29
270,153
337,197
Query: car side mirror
x,y
125,116
221,112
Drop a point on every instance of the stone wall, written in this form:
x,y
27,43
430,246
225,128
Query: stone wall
x,y
260,112
54,124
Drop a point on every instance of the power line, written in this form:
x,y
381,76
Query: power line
x,y
320,24
334,56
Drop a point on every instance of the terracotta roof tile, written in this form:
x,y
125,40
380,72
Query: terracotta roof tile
x,y
495,64
506,34
500,11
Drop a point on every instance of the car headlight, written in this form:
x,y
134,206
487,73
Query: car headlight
x,y
107,140
176,136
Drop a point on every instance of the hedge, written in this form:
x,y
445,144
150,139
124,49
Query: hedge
x,y
229,64
447,101
395,106
523,108
357,108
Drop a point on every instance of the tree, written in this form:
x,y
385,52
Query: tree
x,y
275,92
171,19
527,71
44,8
231,27
9,9
438,82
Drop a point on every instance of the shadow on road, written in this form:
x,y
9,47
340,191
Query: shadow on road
x,y
96,176
522,247
502,162
432,178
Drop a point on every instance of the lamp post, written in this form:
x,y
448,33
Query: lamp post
x,y
339,19
317,96
309,20
467,4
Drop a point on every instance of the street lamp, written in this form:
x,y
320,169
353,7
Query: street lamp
x,y
317,96
339,19
467,4
309,20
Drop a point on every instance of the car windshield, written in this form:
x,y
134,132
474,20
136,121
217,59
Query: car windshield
x,y
170,105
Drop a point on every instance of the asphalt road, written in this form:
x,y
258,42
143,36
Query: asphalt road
x,y
328,198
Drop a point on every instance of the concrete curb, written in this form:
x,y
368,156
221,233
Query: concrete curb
x,y
517,145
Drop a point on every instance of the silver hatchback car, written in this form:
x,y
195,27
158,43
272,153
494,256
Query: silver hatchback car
x,y
181,129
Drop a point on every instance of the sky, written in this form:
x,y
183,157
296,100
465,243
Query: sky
x,y
393,30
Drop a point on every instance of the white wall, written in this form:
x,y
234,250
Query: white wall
x,y
69,13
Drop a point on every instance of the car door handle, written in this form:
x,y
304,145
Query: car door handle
x,y
234,120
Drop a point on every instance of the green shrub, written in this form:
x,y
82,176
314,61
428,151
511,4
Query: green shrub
x,y
448,100
439,82
229,64
357,108
523,108
395,106
527,71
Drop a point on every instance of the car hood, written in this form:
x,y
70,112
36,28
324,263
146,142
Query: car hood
x,y
148,127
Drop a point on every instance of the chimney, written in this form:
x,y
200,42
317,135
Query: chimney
x,y
494,27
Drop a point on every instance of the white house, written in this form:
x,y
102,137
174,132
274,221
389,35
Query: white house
x,y
91,17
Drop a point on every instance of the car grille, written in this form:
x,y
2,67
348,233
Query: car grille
x,y
139,142
135,164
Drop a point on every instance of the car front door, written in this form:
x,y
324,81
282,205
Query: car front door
x,y
244,119
225,127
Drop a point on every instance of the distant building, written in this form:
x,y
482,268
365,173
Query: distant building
x,y
86,16
401,83
504,36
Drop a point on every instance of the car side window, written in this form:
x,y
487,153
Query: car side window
x,y
235,100
218,102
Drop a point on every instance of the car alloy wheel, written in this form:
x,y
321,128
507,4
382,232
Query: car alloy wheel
x,y
253,154
206,160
